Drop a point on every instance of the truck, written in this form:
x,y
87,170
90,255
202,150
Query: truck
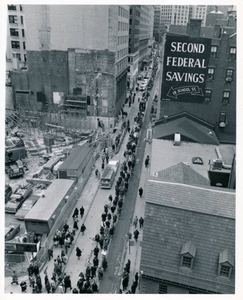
x,y
16,169
109,174
18,198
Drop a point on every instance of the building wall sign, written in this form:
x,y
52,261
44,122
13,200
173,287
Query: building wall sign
x,y
185,69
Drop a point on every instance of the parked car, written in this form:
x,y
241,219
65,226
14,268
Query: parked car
x,y
26,207
18,198
10,231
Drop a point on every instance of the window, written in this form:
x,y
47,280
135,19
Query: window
x,y
23,33
186,261
211,73
19,56
224,271
222,118
22,20
14,32
226,96
229,75
232,54
208,94
20,7
15,44
162,289
13,19
25,57
11,7
24,45
214,50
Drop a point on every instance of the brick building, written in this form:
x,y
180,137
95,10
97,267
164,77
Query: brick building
x,y
77,60
188,239
219,105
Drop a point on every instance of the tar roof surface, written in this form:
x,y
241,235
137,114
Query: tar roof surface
x,y
75,158
54,194
175,215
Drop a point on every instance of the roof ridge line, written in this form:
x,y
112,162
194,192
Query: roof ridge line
x,y
191,186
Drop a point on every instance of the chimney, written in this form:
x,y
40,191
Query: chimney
x,y
217,31
15,61
194,29
231,21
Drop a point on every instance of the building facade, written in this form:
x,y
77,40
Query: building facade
x,y
219,105
89,55
141,25
16,47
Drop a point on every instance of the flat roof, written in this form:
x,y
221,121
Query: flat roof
x,y
165,155
54,194
75,158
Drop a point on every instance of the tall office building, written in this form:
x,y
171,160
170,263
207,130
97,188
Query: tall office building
x,y
77,59
141,25
198,12
16,48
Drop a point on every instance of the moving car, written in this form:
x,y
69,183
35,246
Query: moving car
x,y
26,207
18,198
114,164
10,231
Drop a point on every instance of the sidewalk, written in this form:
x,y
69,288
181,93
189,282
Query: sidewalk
x,y
86,242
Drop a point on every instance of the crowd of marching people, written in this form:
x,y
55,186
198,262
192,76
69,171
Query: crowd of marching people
x,y
88,280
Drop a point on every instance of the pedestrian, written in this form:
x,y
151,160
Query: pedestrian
x,y
75,225
109,216
135,222
50,253
114,218
96,251
107,224
83,228
140,191
136,277
97,173
97,238
110,198
125,283
128,265
113,208
106,208
133,287
81,211
94,287
87,272
136,234
102,166
101,242
23,285
39,283
59,260
65,227
47,285
93,271
96,261
75,291
104,264
75,213
141,220
100,273
67,283
78,253
32,280
15,278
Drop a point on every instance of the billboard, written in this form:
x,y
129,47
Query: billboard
x,y
185,69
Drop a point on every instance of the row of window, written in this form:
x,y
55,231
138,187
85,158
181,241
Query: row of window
x,y
19,56
16,45
225,99
15,32
122,65
229,74
214,52
122,12
122,39
14,19
122,26
14,7
122,53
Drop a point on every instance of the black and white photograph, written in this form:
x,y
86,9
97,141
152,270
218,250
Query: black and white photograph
x,y
119,122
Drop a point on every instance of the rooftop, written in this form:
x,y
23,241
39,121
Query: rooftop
x,y
182,173
198,220
54,194
76,157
